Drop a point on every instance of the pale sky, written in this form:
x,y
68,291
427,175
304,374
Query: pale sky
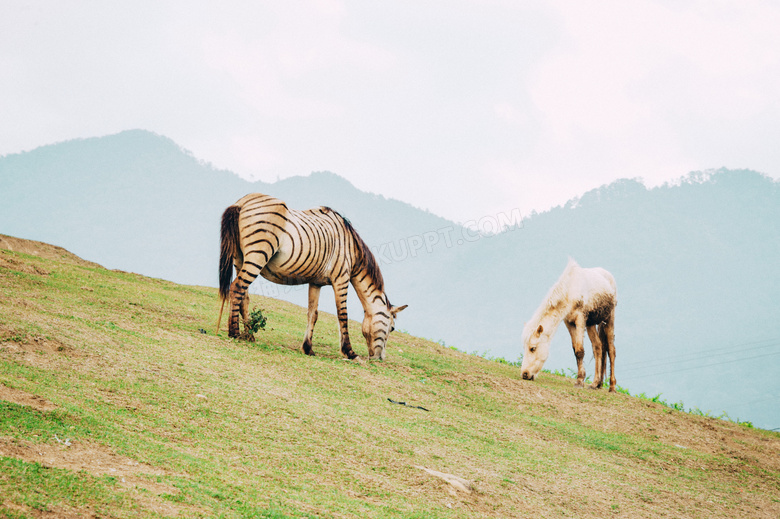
x,y
467,108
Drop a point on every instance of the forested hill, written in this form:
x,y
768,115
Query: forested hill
x,y
694,261
137,201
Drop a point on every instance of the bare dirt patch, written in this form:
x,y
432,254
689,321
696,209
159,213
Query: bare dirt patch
x,y
36,344
97,460
17,396
36,350
42,250
18,266
93,458
58,512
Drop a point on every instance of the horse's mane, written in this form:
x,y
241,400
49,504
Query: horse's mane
x,y
560,289
366,257
554,300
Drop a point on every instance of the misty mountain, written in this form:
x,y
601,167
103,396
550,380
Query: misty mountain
x,y
136,201
694,260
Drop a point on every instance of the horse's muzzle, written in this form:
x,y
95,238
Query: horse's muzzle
x,y
526,376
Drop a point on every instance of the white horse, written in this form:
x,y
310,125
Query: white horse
x,y
583,299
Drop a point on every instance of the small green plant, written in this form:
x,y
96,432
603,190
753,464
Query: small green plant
x,y
256,320
502,360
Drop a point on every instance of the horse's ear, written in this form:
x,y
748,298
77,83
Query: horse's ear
x,y
396,309
539,330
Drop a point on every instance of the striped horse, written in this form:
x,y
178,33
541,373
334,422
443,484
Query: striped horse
x,y
262,236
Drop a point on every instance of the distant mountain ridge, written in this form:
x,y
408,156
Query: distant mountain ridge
x,y
694,260
129,199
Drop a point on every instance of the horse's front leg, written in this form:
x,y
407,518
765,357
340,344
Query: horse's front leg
x,y
577,332
599,355
340,289
314,300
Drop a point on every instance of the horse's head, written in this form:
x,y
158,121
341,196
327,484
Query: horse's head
x,y
536,345
377,327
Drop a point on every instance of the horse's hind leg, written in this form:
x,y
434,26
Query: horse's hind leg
x,y
604,353
607,335
239,297
245,312
599,355
235,298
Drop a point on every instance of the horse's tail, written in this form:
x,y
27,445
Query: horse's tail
x,y
229,249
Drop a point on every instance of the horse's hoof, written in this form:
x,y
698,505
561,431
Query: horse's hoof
x,y
579,384
246,336
612,390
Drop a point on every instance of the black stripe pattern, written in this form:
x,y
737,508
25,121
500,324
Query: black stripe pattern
x,y
261,236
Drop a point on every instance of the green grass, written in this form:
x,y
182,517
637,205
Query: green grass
x,y
677,406
225,428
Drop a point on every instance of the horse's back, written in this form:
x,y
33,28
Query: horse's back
x,y
308,247
253,201
597,282
598,294
606,279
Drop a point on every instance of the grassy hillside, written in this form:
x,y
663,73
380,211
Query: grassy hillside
x,y
114,404
692,260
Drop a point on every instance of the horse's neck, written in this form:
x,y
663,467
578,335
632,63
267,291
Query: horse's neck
x,y
555,306
552,316
372,299
366,277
